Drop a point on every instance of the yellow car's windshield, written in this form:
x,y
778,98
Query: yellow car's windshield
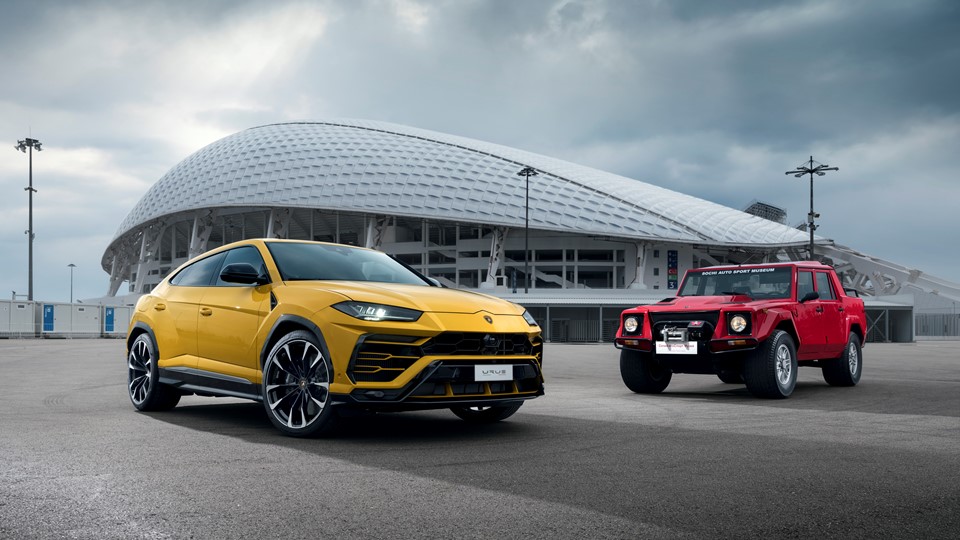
x,y
311,262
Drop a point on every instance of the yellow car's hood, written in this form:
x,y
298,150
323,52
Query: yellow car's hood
x,y
420,298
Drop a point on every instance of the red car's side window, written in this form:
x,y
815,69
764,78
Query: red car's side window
x,y
824,287
804,283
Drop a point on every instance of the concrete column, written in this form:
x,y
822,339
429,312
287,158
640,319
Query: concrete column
x,y
202,227
641,266
497,244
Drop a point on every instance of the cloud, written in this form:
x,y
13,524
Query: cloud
x,y
715,100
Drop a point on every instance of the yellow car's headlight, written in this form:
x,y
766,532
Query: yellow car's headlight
x,y
529,318
377,312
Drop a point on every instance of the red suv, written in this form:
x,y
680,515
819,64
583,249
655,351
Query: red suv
x,y
752,324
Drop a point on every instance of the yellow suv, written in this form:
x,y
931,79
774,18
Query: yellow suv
x,y
308,328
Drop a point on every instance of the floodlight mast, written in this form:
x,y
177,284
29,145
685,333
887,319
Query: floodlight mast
x,y
812,168
27,145
527,172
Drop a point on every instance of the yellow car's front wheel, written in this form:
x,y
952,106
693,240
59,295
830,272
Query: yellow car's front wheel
x,y
296,386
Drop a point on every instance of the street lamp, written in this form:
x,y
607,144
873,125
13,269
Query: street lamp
x,y
27,145
527,172
812,168
72,266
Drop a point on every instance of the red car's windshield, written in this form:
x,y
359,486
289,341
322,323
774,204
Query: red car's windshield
x,y
754,282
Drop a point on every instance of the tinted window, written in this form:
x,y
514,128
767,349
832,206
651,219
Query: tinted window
x,y
249,255
308,262
804,284
824,288
200,273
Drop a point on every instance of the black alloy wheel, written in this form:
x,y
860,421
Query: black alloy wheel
x,y
296,386
771,370
143,378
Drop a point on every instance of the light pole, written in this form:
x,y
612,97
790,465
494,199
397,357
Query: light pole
x,y
812,168
527,172
27,145
72,266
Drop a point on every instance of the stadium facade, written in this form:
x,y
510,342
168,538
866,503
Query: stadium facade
x,y
455,209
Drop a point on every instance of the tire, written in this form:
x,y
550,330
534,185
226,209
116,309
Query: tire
x,y
143,378
642,374
486,415
296,386
730,377
846,370
771,371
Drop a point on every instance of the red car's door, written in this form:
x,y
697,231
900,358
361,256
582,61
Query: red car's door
x,y
831,318
808,317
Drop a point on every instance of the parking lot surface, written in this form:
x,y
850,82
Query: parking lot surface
x,y
590,459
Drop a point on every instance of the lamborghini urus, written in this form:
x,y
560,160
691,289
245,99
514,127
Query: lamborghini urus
x,y
310,329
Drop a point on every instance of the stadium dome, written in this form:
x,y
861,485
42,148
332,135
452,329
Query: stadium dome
x,y
366,168
387,168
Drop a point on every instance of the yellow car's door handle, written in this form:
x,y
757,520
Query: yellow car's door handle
x,y
160,307
206,312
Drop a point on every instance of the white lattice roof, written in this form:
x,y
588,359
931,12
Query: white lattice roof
x,y
381,168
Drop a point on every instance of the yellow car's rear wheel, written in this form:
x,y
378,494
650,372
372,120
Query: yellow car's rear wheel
x,y
143,378
296,385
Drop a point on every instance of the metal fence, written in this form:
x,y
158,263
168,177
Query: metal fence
x,y
938,324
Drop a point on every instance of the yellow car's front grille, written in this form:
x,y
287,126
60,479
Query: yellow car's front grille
x,y
383,358
380,366
455,380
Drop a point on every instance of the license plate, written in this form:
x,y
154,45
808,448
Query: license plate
x,y
676,347
493,373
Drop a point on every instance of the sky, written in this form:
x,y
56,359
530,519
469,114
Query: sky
x,y
712,99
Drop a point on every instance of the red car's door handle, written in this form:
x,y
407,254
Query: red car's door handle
x,y
206,312
819,309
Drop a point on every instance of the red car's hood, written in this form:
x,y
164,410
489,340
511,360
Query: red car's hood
x,y
700,303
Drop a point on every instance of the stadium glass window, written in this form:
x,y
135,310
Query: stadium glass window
x,y
656,254
552,255
436,257
469,278
409,230
656,271
595,255
545,283
594,277
412,259
469,233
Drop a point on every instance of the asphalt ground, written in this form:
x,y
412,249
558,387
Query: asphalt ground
x,y
588,460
